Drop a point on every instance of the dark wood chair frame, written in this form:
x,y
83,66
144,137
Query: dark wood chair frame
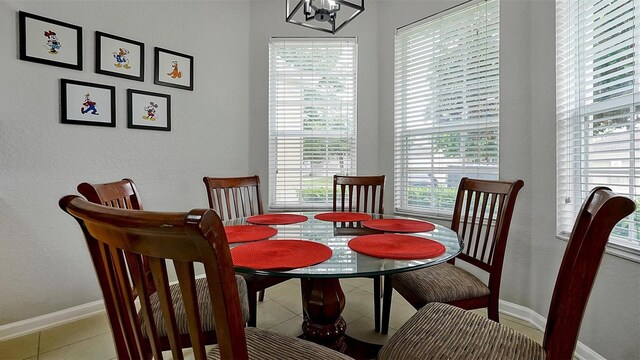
x,y
237,197
484,235
362,194
599,214
119,240
124,194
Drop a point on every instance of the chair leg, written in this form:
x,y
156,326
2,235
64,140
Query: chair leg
x,y
376,301
386,304
261,296
492,309
253,308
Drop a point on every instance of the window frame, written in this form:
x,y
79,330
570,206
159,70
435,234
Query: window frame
x,y
352,133
401,172
580,99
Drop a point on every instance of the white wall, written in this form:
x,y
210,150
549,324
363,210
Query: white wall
x,y
44,264
611,325
221,129
267,20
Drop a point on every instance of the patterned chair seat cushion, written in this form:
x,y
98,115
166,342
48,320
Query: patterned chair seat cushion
x,y
267,345
440,283
441,331
204,305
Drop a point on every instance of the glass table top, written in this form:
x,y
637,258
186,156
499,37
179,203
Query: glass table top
x,y
345,262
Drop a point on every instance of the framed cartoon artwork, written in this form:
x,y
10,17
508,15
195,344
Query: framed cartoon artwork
x,y
49,41
173,69
117,56
148,110
85,103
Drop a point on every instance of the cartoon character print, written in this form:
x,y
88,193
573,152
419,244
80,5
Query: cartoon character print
x,y
151,111
89,106
175,73
52,44
122,61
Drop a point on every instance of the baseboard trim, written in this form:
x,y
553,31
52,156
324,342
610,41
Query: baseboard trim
x,y
39,323
583,352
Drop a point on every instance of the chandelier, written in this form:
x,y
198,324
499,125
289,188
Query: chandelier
x,y
323,14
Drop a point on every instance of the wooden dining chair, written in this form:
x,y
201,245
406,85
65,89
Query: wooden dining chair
x,y
442,331
118,240
124,194
362,194
481,217
238,197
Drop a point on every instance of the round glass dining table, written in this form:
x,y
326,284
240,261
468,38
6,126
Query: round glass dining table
x,y
322,297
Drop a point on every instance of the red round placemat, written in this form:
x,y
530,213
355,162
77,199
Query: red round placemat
x,y
395,246
277,219
280,254
244,233
342,216
399,225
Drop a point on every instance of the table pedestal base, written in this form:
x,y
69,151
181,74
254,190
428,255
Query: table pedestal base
x,y
323,302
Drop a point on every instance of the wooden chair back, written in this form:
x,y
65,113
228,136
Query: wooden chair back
x,y
234,197
117,241
358,193
600,212
482,217
121,194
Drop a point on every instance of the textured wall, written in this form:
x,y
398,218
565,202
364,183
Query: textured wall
x,y
267,20
611,325
44,264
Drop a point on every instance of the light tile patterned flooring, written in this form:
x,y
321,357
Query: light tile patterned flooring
x,y
281,311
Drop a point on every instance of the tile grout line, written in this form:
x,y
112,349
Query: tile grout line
x,y
38,352
73,343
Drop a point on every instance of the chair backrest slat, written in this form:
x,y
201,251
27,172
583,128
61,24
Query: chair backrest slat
x,y
484,229
234,197
138,274
358,193
184,238
124,286
186,276
600,213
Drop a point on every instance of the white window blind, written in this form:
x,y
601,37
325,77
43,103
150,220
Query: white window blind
x,y
446,106
597,108
312,119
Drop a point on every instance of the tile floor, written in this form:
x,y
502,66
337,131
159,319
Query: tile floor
x,y
281,311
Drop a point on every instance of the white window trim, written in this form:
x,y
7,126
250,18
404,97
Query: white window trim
x,y
327,206
581,101
439,213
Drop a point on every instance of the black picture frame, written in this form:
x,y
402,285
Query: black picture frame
x,y
115,67
140,107
34,51
71,93
164,61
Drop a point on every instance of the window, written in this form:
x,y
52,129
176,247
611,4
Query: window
x,y
312,119
446,106
597,112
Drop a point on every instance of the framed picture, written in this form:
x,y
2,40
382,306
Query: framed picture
x,y
85,103
147,110
50,42
173,69
117,56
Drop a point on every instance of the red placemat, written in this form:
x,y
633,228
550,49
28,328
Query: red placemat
x,y
280,254
395,246
277,219
399,225
343,216
244,233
